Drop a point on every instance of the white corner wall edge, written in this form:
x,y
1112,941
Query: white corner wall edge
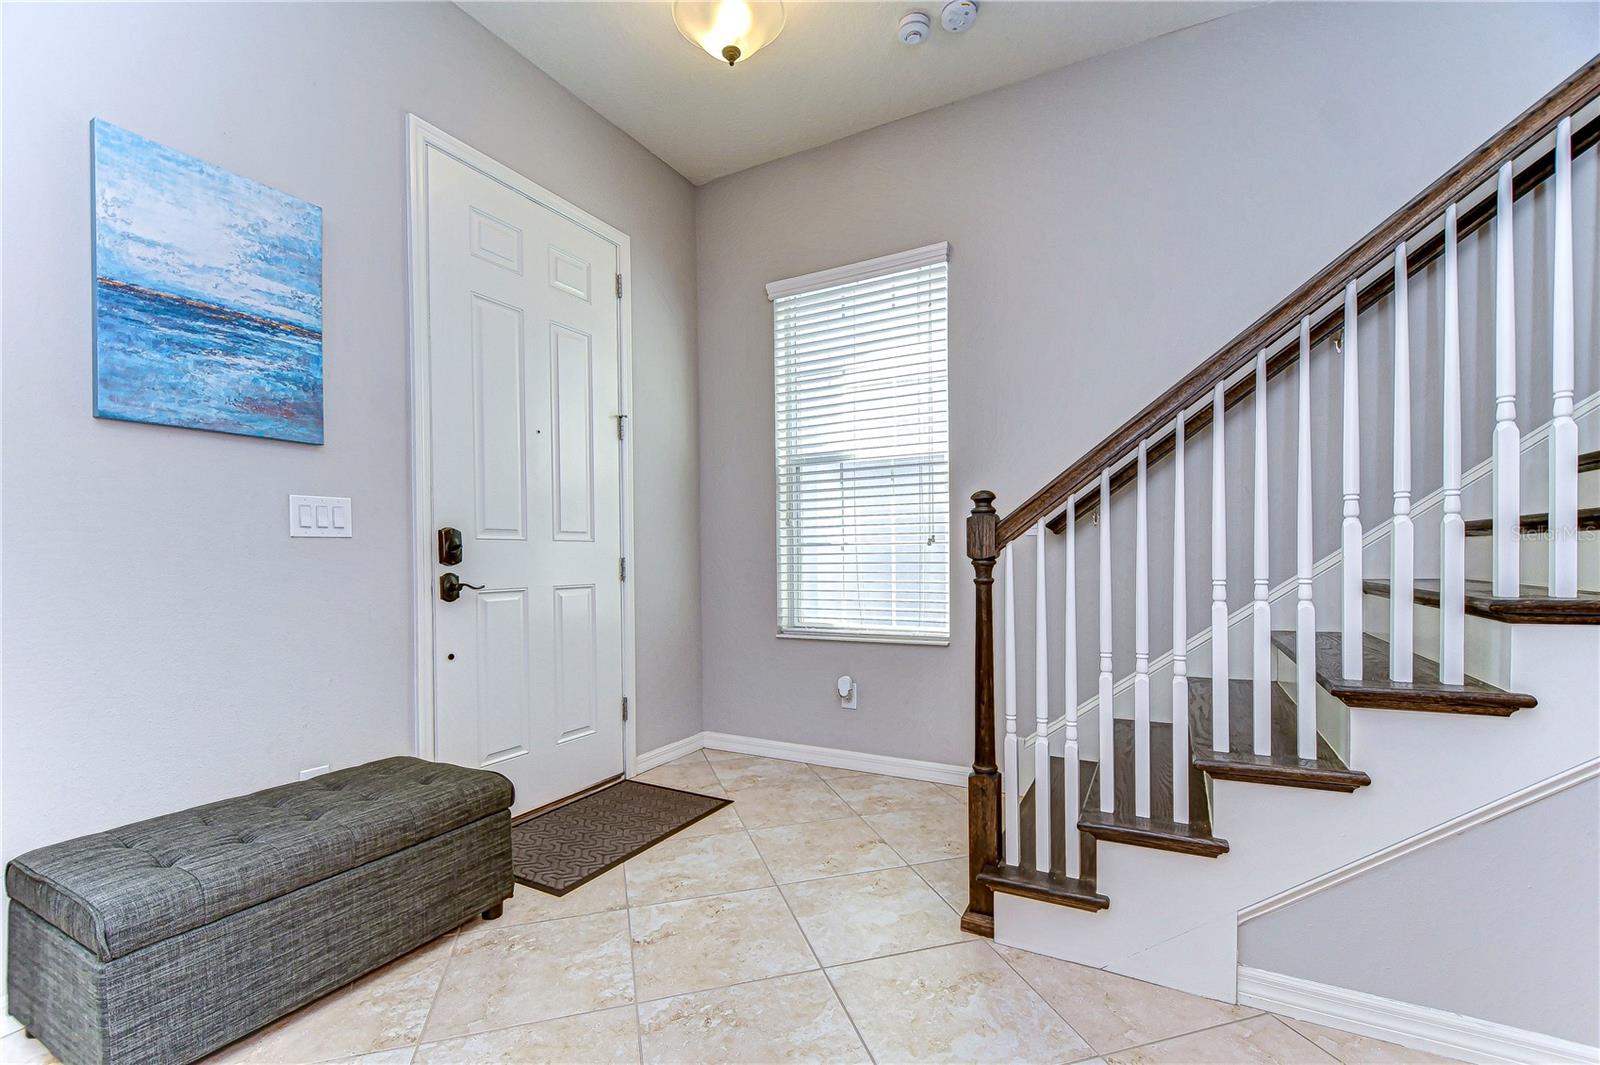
x,y
859,761
1419,1027
1506,804
645,761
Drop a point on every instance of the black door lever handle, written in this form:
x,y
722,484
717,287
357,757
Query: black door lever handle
x,y
450,587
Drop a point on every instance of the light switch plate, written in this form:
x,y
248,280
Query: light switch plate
x,y
319,516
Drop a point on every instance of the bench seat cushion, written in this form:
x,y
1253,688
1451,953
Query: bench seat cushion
x,y
115,892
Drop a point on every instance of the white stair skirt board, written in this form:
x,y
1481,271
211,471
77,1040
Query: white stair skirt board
x,y
1419,1027
1285,838
833,757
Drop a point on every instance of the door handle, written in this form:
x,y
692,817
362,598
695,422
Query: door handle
x,y
450,587
449,546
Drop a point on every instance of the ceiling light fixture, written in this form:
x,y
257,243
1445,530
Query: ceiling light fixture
x,y
729,30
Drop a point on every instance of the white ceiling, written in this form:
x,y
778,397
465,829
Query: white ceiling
x,y
836,69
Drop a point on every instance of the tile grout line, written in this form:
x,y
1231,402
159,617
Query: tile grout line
x,y
994,948
633,965
1210,1028
1299,1033
833,988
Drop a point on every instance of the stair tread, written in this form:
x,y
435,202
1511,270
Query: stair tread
x,y
1534,605
1425,691
1240,762
1064,891
1158,830
1588,518
1058,824
1589,460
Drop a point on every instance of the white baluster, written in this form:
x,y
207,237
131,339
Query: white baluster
x,y
1108,761
1041,711
1452,529
1260,612
1070,799
1350,530
1305,615
1141,644
1011,827
1507,452
1402,559
1180,639
1563,430
1219,575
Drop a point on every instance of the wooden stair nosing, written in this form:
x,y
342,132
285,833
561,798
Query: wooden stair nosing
x,y
1589,461
1149,832
1157,831
1588,518
1283,766
1533,606
1031,884
1424,692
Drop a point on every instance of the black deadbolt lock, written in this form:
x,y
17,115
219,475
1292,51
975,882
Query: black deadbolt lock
x,y
449,546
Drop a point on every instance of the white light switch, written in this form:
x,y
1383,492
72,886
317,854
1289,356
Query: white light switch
x,y
319,516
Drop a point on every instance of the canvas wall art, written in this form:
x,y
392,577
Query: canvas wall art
x,y
207,295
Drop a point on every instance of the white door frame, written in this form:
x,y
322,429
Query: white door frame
x,y
420,136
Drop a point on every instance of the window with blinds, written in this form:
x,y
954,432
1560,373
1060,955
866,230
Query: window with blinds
x,y
863,462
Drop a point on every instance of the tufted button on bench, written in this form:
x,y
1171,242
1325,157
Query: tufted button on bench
x,y
164,940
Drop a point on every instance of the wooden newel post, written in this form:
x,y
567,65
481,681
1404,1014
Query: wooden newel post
x,y
983,786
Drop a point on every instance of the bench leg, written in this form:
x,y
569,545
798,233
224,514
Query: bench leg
x,y
494,912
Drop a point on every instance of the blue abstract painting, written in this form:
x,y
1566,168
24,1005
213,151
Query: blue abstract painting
x,y
207,295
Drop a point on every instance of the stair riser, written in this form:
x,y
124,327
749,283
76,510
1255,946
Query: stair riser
x,y
1487,643
1534,552
1333,717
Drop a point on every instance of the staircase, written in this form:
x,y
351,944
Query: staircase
x,y
1444,653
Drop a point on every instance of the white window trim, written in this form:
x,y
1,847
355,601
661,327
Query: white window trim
x,y
926,255
840,275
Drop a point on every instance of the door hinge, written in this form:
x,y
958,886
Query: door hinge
x,y
622,569
622,420
619,286
624,708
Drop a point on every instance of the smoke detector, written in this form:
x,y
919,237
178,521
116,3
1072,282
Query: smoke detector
x,y
959,15
915,27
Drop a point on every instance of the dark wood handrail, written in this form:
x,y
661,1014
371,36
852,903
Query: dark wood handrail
x,y
1424,209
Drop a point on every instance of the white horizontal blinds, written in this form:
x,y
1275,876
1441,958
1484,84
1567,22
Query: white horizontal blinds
x,y
863,456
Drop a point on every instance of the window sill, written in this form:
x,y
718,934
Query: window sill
x,y
903,641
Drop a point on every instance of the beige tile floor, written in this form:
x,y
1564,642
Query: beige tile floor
x,y
815,919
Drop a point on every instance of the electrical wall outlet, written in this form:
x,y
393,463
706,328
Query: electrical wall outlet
x,y
314,771
846,690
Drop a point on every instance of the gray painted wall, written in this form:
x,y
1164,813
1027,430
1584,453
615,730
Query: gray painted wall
x,y
1088,212
165,641
1449,926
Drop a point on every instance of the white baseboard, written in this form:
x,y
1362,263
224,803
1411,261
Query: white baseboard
x,y
648,760
1419,1027
887,765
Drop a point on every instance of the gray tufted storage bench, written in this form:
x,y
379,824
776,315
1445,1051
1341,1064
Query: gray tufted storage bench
x,y
166,939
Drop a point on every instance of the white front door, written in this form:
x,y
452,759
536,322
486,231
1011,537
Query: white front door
x,y
524,379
